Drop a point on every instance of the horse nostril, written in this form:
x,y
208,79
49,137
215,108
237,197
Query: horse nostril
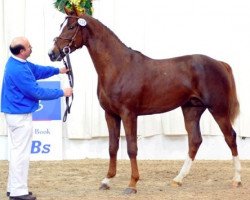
x,y
51,55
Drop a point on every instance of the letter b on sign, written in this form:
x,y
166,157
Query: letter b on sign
x,y
37,147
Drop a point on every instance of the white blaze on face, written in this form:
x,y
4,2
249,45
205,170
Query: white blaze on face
x,y
63,24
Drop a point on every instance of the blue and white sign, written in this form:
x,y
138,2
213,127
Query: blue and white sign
x,y
47,140
47,128
48,109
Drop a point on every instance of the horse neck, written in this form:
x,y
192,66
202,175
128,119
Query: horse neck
x,y
105,48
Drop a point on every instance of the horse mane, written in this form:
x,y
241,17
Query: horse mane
x,y
98,26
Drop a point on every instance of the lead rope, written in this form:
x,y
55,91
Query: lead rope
x,y
67,64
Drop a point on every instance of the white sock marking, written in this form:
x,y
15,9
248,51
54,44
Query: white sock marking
x,y
237,169
184,170
106,181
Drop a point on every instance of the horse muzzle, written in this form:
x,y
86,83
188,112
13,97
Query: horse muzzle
x,y
54,56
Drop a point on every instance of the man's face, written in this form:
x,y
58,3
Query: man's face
x,y
27,51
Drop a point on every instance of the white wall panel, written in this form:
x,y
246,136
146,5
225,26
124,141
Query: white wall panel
x,y
159,29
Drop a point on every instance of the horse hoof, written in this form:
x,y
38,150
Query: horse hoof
x,y
236,184
104,187
176,184
130,191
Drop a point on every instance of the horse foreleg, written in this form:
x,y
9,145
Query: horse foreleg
x,y
105,184
114,125
130,126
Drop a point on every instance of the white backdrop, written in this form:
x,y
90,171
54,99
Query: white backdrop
x,y
159,29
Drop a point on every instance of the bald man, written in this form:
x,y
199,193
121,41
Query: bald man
x,y
20,96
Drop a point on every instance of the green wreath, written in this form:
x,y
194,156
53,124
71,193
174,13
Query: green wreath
x,y
83,6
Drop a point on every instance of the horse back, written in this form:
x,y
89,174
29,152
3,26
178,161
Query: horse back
x,y
149,86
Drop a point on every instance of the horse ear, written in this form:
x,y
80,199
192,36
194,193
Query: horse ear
x,y
76,11
72,11
68,11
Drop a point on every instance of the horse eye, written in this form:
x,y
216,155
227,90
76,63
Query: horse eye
x,y
71,27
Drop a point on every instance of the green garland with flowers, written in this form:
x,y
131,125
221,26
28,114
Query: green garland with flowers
x,y
82,6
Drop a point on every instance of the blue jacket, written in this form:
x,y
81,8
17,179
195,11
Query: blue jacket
x,y
20,90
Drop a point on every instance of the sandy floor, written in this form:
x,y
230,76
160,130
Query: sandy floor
x,y
78,180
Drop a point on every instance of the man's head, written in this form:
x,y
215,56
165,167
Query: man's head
x,y
21,47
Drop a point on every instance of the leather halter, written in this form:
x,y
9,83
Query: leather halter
x,y
72,39
65,52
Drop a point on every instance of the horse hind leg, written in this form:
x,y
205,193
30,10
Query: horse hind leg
x,y
230,138
114,124
192,116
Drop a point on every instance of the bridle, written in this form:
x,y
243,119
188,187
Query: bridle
x,y
65,52
72,39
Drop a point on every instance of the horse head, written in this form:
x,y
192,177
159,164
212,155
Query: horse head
x,y
72,36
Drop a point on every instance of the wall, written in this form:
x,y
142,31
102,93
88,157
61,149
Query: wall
x,y
159,29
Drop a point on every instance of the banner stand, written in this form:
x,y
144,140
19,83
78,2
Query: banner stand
x,y
47,128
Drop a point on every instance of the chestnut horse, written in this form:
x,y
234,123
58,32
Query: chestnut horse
x,y
131,84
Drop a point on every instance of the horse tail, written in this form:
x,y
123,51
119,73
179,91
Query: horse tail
x,y
234,107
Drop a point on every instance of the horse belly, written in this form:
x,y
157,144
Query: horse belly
x,y
163,103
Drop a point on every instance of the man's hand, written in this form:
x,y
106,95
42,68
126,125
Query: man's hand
x,y
68,92
63,70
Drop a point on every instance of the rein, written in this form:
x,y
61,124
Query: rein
x,y
67,64
66,51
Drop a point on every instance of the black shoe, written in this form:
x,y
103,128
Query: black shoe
x,y
23,197
8,193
